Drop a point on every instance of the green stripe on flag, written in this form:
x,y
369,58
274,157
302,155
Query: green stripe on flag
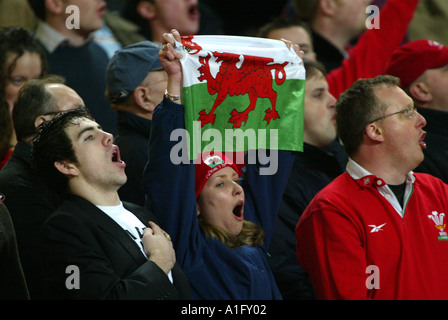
x,y
284,133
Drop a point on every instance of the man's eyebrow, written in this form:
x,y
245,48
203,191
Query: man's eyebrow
x,y
304,45
90,128
318,89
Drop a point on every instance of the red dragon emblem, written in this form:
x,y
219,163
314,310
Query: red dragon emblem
x,y
253,77
190,46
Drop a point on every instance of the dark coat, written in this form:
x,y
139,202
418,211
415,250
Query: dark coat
x,y
12,281
436,152
313,169
111,265
133,139
330,56
30,202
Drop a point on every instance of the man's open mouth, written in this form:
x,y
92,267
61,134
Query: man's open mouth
x,y
116,156
193,12
422,142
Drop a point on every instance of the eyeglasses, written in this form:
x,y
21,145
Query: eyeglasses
x,y
408,113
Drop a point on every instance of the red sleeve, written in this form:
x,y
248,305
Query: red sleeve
x,y
369,56
330,248
6,157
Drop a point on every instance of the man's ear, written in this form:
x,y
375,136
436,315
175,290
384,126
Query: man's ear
x,y
56,7
420,92
143,99
141,96
41,119
146,10
328,7
66,168
374,132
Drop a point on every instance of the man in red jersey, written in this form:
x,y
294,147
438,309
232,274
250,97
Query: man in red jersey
x,y
378,230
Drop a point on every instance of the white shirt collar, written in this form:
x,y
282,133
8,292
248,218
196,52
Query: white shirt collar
x,y
130,223
357,173
52,38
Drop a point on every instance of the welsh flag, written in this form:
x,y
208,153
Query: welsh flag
x,y
241,93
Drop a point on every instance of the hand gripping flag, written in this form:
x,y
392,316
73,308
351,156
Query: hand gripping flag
x,y
241,93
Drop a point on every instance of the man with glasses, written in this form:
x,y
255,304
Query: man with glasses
x,y
422,67
378,230
28,199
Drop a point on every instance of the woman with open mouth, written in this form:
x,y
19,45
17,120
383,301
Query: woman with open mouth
x,y
220,219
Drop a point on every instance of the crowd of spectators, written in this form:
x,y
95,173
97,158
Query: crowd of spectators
x,y
91,90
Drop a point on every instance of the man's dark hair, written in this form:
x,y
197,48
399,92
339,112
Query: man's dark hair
x,y
129,12
306,9
282,23
33,101
312,68
5,128
52,144
39,8
357,106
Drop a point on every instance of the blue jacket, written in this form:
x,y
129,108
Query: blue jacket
x,y
214,270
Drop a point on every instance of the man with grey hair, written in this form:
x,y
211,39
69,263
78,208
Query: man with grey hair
x,y
135,84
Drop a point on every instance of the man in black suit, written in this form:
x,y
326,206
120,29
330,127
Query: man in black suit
x,y
95,246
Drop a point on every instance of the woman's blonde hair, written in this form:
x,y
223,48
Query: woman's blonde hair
x,y
251,234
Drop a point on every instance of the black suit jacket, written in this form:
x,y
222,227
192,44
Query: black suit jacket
x,y
30,202
436,152
12,281
87,255
313,169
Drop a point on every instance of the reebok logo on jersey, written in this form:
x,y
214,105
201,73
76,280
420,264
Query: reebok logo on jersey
x,y
376,228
